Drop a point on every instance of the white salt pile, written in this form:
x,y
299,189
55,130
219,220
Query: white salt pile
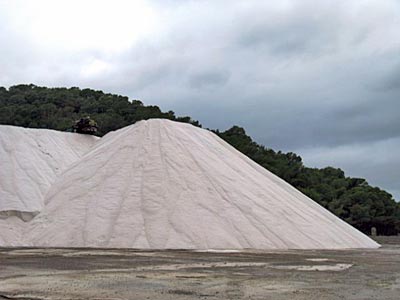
x,y
30,161
162,184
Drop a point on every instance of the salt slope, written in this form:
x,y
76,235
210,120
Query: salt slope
x,y
30,161
162,184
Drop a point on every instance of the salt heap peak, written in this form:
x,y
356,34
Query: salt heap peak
x,y
162,184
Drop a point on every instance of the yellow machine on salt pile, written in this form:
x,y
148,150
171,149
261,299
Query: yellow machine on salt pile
x,y
86,126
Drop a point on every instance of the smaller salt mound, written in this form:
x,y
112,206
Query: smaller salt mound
x,y
12,232
30,161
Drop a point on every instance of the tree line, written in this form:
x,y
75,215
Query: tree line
x,y
351,199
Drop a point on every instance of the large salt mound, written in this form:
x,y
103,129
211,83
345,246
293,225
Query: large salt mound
x,y
30,160
162,184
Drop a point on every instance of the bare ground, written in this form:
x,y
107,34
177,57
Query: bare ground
x,y
135,274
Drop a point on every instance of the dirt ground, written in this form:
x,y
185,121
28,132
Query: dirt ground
x,y
134,274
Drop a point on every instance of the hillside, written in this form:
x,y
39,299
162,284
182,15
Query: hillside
x,y
352,199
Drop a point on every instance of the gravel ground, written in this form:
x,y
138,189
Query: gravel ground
x,y
135,274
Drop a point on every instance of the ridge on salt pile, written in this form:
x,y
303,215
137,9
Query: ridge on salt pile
x,y
30,161
162,184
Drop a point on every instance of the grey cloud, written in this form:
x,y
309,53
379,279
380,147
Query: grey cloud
x,y
392,80
378,161
209,79
290,36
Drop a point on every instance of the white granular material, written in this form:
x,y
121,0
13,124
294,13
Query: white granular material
x,y
157,184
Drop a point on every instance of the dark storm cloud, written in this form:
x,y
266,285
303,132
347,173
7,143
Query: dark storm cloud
x,y
392,80
291,34
305,76
368,121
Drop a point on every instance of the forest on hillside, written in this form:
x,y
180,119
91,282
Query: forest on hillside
x,y
352,199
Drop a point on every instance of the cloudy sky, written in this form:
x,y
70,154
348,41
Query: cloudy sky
x,y
319,78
